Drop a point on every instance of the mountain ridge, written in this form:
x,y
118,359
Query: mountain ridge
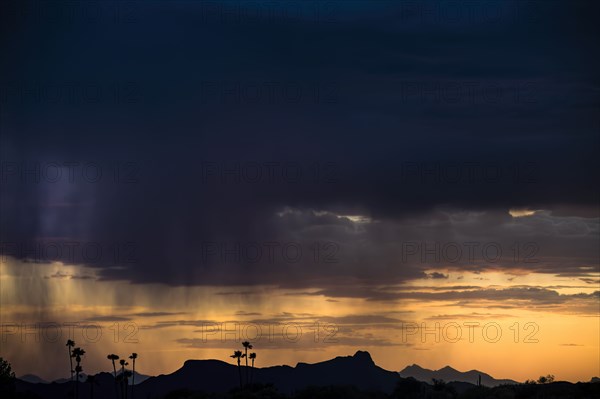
x,y
357,371
218,376
448,374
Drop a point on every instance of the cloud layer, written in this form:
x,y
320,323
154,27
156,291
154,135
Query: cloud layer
x,y
157,149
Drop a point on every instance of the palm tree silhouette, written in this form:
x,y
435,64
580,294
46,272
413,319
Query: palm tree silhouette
x,y
247,346
78,369
91,379
126,376
253,357
238,355
114,357
123,363
70,345
133,357
77,354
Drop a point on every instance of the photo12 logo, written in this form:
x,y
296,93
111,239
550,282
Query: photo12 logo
x,y
70,93
453,332
261,12
52,332
70,172
72,12
268,252
267,172
268,92
469,173
268,332
469,252
71,252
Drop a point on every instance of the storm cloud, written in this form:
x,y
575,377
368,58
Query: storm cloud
x,y
279,149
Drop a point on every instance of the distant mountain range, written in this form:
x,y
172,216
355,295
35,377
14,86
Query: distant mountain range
x,y
34,379
449,374
358,370
216,376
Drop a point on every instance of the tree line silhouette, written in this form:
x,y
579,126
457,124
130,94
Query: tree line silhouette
x,y
121,380
239,355
406,388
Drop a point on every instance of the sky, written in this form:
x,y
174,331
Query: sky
x,y
415,179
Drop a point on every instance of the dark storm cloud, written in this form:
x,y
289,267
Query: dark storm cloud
x,y
348,327
303,343
352,321
591,281
150,145
156,314
243,313
176,323
108,318
436,275
473,315
280,330
60,275
515,297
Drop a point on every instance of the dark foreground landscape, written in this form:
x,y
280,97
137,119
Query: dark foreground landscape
x,y
349,377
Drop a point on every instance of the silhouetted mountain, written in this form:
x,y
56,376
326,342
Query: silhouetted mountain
x,y
104,387
217,376
343,377
139,378
595,379
461,387
449,374
32,378
82,377
61,380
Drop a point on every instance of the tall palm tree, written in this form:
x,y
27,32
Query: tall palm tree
x,y
91,379
253,357
247,345
114,357
123,363
126,376
77,354
238,355
70,345
133,357
78,369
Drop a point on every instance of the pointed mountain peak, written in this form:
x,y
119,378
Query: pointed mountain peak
x,y
34,379
413,367
447,368
364,356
